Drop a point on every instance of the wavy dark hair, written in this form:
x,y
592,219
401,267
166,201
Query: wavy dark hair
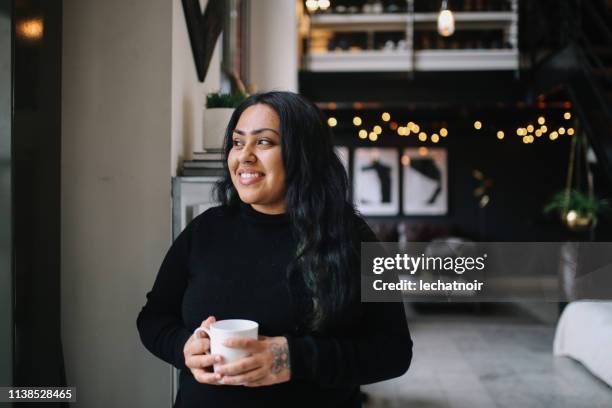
x,y
322,218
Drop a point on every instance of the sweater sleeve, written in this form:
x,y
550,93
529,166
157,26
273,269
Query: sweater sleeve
x,y
159,323
382,348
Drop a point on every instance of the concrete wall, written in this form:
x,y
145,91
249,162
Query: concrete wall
x,y
116,161
274,51
131,111
188,95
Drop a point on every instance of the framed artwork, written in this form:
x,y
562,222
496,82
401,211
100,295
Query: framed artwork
x,y
425,181
376,181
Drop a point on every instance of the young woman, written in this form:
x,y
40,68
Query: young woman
x,y
282,249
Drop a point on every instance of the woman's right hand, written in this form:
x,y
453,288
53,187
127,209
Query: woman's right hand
x,y
197,357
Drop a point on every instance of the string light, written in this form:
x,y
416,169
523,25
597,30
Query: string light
x,y
567,115
373,136
530,128
332,122
562,130
538,132
357,121
500,134
443,132
553,135
477,125
386,116
541,120
377,129
393,125
570,132
521,132
544,129
363,133
435,138
422,136
446,21
415,128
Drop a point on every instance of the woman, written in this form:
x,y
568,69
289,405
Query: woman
x,y
282,249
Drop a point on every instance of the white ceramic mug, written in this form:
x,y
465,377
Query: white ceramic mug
x,y
221,330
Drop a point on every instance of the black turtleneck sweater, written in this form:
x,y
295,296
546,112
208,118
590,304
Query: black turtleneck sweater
x,y
231,264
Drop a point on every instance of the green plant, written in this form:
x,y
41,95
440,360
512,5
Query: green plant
x,y
580,202
224,100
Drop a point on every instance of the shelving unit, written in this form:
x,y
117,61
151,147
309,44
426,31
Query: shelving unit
x,y
322,28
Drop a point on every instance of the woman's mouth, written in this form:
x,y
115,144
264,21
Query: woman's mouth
x,y
250,177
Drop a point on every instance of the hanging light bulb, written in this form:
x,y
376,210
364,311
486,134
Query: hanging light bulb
x,y
446,20
312,5
324,4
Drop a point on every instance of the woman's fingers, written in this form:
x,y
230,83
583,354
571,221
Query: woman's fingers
x,y
205,377
202,360
239,342
239,367
245,378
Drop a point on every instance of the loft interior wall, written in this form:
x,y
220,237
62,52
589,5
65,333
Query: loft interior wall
x,y
116,160
188,94
273,45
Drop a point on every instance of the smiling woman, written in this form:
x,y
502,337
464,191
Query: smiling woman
x,y
282,250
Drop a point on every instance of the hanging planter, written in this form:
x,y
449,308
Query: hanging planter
x,y
217,113
578,210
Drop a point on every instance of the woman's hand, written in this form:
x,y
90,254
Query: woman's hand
x,y
267,364
197,357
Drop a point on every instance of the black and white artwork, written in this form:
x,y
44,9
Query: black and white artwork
x,y
425,181
376,181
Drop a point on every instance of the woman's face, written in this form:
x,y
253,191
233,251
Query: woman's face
x,y
255,161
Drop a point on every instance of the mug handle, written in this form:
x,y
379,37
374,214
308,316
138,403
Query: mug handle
x,y
199,329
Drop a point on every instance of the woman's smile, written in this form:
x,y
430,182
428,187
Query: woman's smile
x,y
248,177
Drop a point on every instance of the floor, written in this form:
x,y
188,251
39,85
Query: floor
x,y
492,355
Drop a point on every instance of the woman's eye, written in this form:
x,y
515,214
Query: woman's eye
x,y
236,142
265,141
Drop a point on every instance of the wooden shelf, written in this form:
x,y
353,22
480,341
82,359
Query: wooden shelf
x,y
359,22
357,61
466,60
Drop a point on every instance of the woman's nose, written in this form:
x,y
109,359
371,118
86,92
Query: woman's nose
x,y
247,153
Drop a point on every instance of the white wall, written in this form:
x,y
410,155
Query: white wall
x,y
116,144
131,111
188,95
274,51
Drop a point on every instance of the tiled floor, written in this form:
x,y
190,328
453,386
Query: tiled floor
x,y
498,356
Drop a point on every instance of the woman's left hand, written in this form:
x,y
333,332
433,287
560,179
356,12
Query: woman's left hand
x,y
267,364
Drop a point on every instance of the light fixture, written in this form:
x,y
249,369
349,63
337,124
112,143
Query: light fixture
x,y
332,122
500,134
363,134
570,132
561,130
567,115
477,125
446,20
377,129
530,128
541,120
373,136
422,136
324,4
386,116
312,5
357,121
435,138
443,132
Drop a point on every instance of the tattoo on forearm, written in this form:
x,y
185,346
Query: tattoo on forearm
x,y
281,357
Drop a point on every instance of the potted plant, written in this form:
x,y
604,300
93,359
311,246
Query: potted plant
x,y
217,113
579,211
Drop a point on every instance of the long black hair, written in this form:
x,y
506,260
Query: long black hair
x,y
322,218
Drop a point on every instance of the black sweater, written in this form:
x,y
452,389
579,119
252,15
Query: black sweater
x,y
231,264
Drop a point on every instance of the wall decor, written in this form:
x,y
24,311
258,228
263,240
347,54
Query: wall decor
x,y
376,181
425,181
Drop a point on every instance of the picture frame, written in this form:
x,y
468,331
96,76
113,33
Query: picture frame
x,y
424,181
376,181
